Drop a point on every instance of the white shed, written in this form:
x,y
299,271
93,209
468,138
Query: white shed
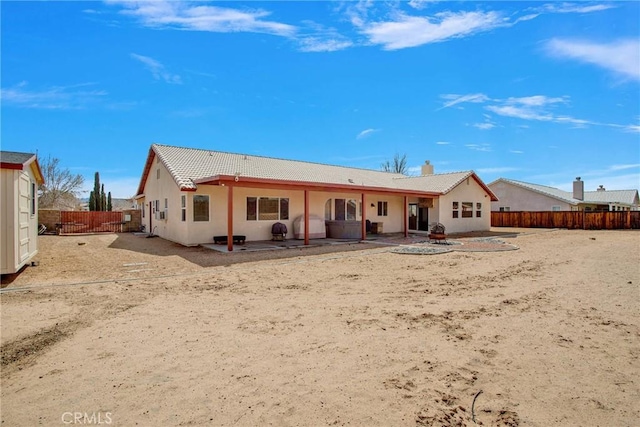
x,y
19,179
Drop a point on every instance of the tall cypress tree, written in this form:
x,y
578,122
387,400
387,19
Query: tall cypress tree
x,y
109,204
92,202
96,193
103,200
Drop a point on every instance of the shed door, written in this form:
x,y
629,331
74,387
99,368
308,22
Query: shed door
x,y
23,217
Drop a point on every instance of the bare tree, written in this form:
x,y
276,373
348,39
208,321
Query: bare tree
x,y
61,188
398,165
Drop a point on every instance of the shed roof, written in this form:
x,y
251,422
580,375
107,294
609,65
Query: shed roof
x,y
190,167
19,161
15,158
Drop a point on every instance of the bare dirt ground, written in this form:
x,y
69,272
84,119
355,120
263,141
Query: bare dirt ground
x,y
139,331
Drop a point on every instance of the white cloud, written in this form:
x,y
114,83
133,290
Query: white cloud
x,y
410,31
195,16
536,100
621,56
420,4
52,98
536,107
453,99
575,7
516,151
479,147
484,126
367,132
318,44
624,167
157,69
443,143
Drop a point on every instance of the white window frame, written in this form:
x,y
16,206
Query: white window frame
x,y
383,208
195,199
278,216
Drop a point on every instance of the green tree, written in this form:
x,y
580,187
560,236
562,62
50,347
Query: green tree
x,y
109,204
97,205
398,165
92,202
103,200
61,188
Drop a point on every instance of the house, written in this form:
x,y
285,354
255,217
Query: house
x,y
19,180
522,196
191,195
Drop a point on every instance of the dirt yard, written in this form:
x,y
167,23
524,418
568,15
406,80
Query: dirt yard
x,y
123,330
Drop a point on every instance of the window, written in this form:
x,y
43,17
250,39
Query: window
x,y
455,209
351,209
478,206
183,207
200,208
340,210
467,210
382,208
478,214
478,210
555,208
327,210
345,209
267,208
33,198
504,209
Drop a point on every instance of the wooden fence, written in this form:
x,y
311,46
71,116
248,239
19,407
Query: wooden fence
x,y
73,222
571,220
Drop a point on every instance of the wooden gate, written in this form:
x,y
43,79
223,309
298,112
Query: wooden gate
x,y
74,222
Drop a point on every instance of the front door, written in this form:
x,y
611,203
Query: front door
x,y
418,218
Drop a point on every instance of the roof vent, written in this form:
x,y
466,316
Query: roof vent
x,y
350,180
601,188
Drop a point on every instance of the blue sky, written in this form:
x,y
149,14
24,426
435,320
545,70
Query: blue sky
x,y
539,92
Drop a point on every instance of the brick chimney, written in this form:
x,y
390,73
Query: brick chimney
x,y
427,168
578,189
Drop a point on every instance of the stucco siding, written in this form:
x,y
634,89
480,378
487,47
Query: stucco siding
x,y
468,191
521,199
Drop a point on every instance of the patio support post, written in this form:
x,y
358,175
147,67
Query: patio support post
x,y
406,216
306,217
364,216
230,218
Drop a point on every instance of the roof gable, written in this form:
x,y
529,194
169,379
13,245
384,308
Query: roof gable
x,y
19,161
189,167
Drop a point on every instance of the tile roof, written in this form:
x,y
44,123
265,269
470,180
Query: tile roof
x,y
629,197
188,165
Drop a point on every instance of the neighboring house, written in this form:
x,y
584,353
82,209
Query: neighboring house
x,y
20,177
522,196
190,195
